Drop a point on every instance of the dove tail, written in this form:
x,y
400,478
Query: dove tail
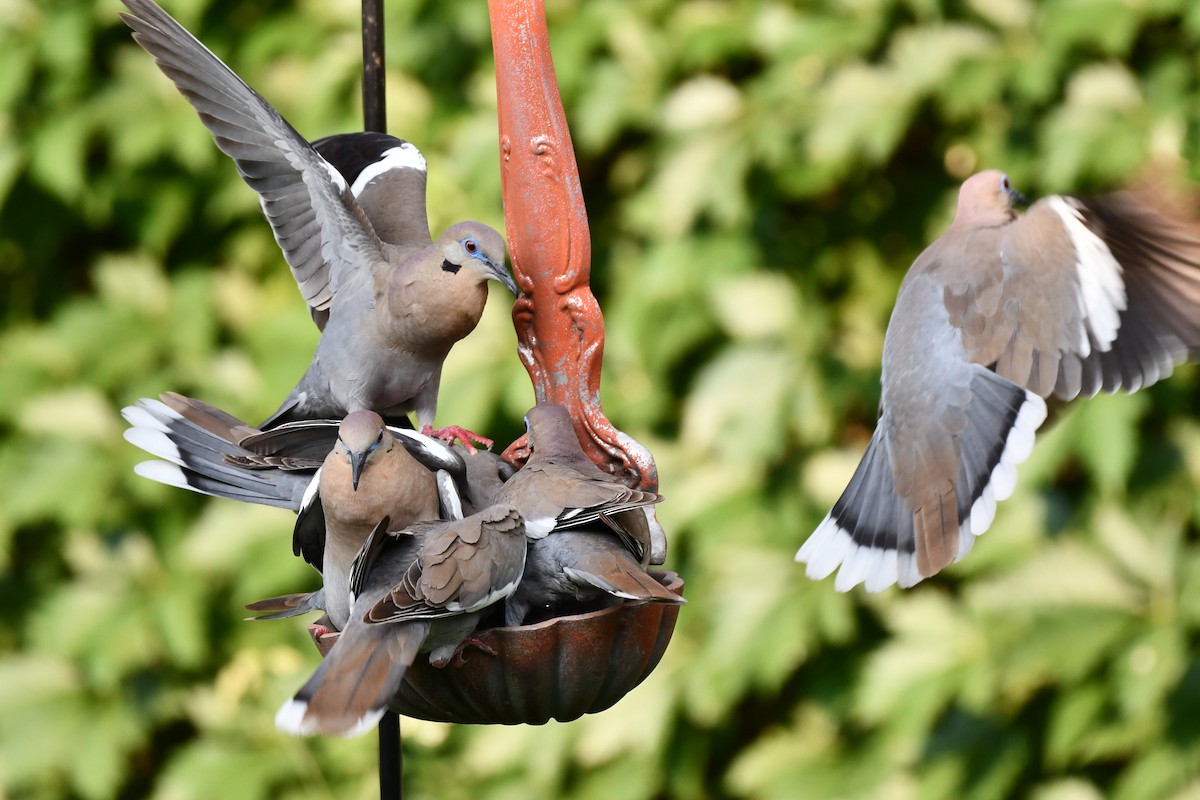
x,y
193,440
1002,420
351,689
877,539
288,605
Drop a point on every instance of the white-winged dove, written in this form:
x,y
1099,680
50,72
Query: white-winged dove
x,y
1004,309
389,310
208,451
470,489
417,590
466,484
366,477
576,570
559,487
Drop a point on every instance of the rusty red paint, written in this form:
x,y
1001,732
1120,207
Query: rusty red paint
x,y
560,330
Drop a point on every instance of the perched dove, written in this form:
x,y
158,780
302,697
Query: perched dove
x,y
366,477
417,590
469,484
390,303
1003,310
559,486
576,570
211,452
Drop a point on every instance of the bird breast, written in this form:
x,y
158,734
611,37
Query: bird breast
x,y
430,316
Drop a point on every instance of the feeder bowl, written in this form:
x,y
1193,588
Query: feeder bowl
x,y
559,669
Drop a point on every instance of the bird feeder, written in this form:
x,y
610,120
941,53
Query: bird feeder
x,y
567,666
559,669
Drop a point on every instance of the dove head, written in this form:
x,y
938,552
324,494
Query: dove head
x,y
986,198
551,432
475,250
361,436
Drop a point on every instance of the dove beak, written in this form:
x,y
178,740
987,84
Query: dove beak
x,y
501,274
357,462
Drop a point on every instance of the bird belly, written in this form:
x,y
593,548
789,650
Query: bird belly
x,y
388,386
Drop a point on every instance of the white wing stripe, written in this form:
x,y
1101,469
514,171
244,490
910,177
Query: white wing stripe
x,y
1101,287
404,156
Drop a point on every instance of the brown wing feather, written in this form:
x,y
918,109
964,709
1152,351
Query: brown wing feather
x,y
459,563
207,417
1012,293
1017,299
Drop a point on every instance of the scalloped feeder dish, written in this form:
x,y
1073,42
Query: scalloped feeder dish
x,y
559,669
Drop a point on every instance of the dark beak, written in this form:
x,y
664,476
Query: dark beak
x,y
500,273
1018,198
357,462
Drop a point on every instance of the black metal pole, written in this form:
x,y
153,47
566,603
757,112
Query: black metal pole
x,y
391,765
374,103
391,785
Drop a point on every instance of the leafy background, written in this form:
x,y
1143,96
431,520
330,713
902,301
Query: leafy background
x,y
759,175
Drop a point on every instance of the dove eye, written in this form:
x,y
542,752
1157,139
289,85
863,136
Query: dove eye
x,y
1004,183
471,246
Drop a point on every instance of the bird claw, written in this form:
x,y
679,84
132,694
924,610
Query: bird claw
x,y
452,432
319,632
457,658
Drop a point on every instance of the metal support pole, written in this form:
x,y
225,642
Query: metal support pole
x,y
391,758
374,100
391,755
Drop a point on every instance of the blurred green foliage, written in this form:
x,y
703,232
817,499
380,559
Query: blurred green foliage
x,y
759,175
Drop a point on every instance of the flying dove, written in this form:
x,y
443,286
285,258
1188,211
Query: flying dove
x,y
389,301
559,487
1002,311
421,589
576,570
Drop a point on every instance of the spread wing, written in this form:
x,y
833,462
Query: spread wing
x,y
1083,295
324,235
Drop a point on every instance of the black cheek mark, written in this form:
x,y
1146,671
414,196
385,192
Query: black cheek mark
x,y
451,268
